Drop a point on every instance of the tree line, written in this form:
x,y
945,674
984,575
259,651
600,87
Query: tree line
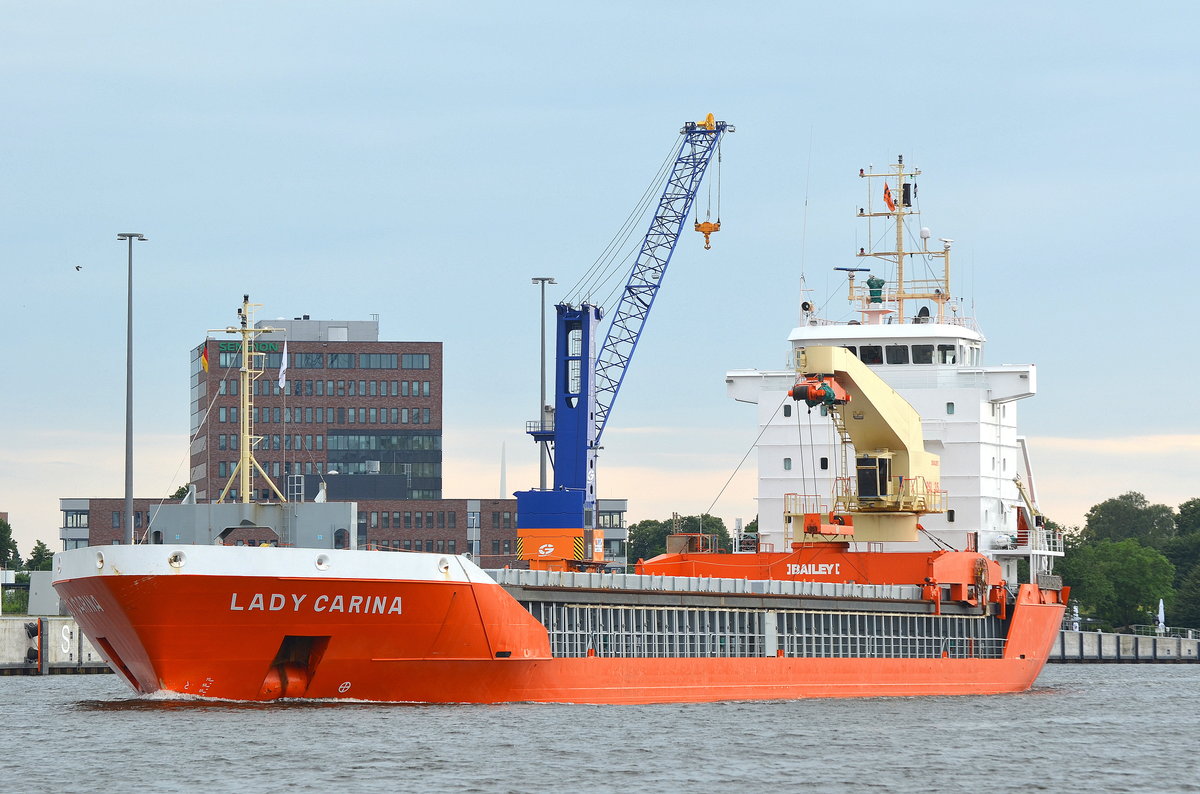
x,y
1131,553
40,559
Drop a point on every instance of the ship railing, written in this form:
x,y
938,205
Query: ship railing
x,y
795,507
905,494
1045,540
797,504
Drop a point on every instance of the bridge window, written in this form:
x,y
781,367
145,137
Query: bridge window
x,y
871,354
897,354
947,354
922,354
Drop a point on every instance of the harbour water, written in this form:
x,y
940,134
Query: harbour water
x,y
1082,727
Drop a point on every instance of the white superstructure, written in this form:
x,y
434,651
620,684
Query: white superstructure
x,y
910,335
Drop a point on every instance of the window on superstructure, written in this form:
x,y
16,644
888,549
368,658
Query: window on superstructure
x,y
897,354
852,348
922,354
949,408
787,464
824,463
947,354
950,516
871,354
787,409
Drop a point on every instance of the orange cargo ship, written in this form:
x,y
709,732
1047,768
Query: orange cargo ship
x,y
839,611
262,623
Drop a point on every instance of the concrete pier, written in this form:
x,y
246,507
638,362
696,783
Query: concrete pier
x,y
1093,646
33,645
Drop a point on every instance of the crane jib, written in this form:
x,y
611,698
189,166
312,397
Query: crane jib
x,y
695,153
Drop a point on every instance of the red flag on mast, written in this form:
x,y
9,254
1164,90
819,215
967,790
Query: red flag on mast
x,y
887,198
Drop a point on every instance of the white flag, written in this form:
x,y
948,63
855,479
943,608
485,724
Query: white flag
x,y
283,368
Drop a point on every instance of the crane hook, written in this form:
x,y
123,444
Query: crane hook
x,y
707,228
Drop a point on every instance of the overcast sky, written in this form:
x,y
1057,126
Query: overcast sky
x,y
421,161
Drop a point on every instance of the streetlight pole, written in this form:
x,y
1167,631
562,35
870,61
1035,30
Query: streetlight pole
x,y
130,237
543,280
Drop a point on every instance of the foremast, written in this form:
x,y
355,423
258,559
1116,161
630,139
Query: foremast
x,y
898,207
251,370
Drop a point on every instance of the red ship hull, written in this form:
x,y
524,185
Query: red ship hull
x,y
460,641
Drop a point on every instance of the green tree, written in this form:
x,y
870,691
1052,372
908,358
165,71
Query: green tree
x,y
180,492
1117,581
1186,609
41,558
1184,553
1130,515
648,538
9,558
752,527
1187,520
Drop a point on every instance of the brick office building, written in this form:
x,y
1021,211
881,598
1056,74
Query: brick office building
x,y
348,403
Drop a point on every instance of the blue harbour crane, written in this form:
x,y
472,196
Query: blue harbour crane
x,y
557,527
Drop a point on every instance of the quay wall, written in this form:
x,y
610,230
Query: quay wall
x,y
1094,646
32,645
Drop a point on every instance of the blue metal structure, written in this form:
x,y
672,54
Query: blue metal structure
x,y
695,153
586,385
